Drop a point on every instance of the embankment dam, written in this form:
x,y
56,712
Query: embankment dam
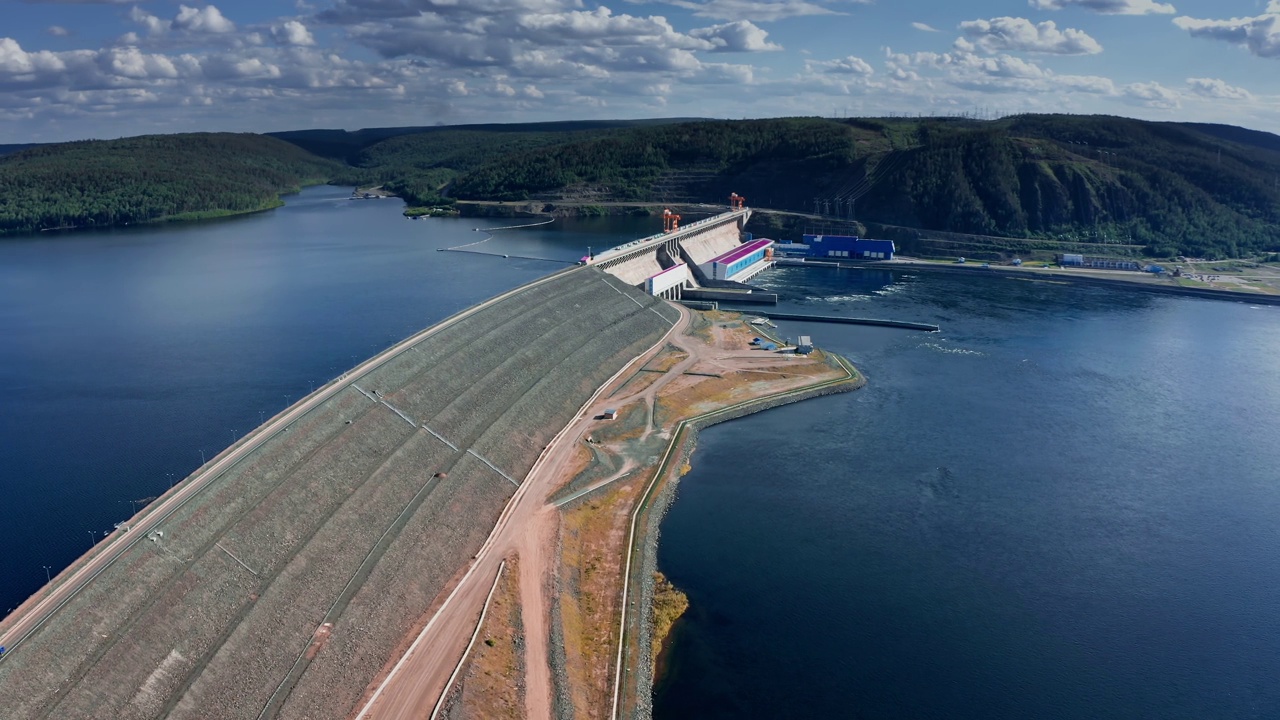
x,y
278,580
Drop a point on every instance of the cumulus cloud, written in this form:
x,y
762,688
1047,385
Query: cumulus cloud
x,y
991,74
1217,89
757,10
231,67
292,33
132,63
599,26
57,31
153,24
1152,94
207,19
1261,34
552,40
923,27
1108,7
16,62
850,65
1019,34
737,36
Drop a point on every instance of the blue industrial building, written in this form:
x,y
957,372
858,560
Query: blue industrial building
x,y
848,246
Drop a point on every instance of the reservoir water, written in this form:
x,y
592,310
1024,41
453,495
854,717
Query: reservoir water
x,y
1062,506
126,354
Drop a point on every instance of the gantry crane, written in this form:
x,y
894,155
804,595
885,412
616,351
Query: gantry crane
x,y
736,201
670,221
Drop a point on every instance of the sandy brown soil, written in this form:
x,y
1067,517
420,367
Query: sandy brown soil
x,y
594,534
485,690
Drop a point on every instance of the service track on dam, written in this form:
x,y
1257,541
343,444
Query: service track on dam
x,y
291,569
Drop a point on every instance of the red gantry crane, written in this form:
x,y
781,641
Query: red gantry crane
x,y
670,221
736,201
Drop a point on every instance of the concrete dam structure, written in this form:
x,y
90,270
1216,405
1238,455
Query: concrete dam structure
x,y
667,263
278,580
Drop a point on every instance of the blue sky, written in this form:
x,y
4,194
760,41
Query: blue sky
x,y
73,69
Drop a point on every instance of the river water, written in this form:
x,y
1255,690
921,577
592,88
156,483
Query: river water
x,y
1063,505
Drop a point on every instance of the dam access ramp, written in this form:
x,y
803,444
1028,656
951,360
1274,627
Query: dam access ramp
x,y
278,580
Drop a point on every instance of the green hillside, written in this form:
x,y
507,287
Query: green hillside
x,y
145,179
1169,188
418,163
344,145
1193,189
416,167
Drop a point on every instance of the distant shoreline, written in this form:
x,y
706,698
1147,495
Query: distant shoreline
x,y
1066,276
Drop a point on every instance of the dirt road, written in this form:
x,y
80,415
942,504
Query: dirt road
x,y
416,682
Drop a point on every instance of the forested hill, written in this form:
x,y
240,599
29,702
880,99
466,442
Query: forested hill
x,y
345,145
1175,188
417,163
1194,189
114,182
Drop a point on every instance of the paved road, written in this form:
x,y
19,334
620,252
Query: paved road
x,y
23,622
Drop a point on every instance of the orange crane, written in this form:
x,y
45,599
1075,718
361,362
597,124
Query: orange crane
x,y
736,201
670,221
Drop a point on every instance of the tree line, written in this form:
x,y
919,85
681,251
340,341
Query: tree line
x,y
150,178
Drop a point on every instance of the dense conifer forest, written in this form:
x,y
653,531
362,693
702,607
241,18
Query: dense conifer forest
x,y
150,178
1172,188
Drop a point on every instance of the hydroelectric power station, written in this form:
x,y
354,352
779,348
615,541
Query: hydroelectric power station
x,y
702,254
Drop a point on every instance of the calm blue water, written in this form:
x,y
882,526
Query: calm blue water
x,y
1064,505
124,354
